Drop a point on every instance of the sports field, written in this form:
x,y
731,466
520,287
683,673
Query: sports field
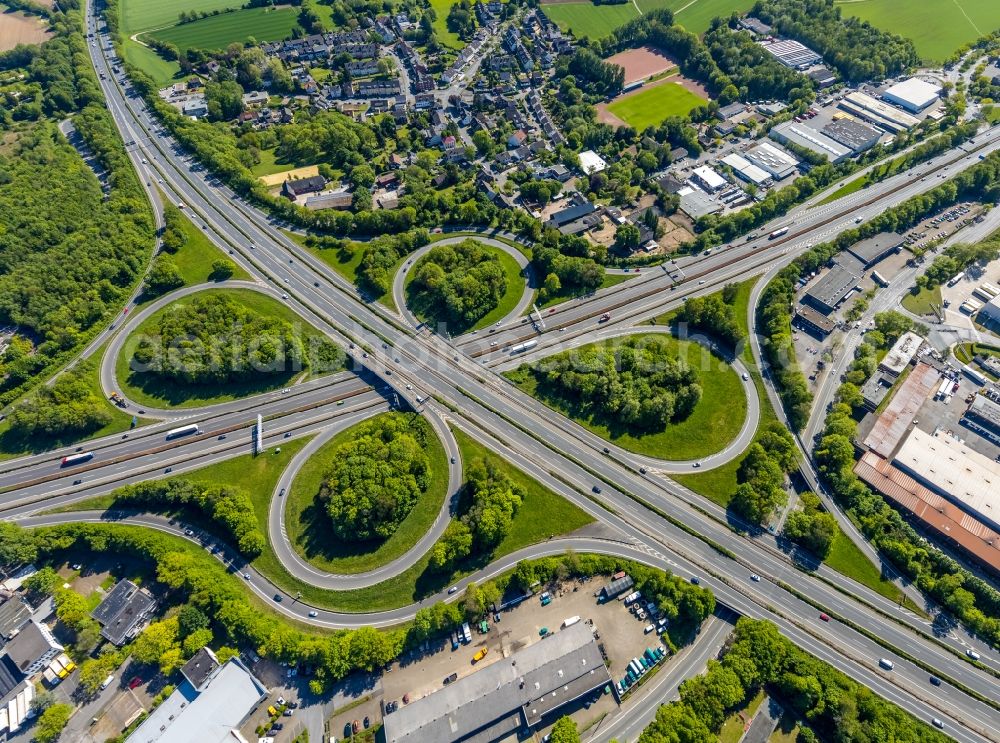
x,y
217,32
596,21
651,106
937,29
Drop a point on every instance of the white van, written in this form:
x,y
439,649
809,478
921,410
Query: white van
x,y
107,682
972,654
886,664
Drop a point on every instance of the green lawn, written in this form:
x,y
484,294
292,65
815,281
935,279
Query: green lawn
x,y
218,32
696,16
344,261
651,106
160,71
156,392
586,20
308,525
444,36
848,188
194,259
991,113
732,728
922,302
567,292
847,559
935,31
715,421
423,308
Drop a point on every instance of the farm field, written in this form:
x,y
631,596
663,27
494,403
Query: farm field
x,y
18,28
595,21
935,34
217,32
145,15
651,106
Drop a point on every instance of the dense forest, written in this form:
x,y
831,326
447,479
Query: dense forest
x,y
459,284
833,707
855,48
72,247
635,384
374,480
214,339
67,406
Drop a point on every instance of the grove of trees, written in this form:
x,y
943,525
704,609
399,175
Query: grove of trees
x,y
68,406
714,315
374,479
761,474
459,284
635,384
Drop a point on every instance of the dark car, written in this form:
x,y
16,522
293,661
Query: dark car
x,y
277,597
596,489
368,723
293,705
452,677
935,681
277,726
347,730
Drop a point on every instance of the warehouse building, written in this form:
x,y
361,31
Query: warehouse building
x,y
876,248
874,111
615,588
792,54
747,171
832,288
805,136
508,697
894,423
990,312
813,322
983,417
591,162
901,353
209,706
852,134
949,468
697,204
930,511
876,389
772,159
708,179
914,94
823,77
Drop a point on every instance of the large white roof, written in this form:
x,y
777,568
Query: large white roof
x,y
916,92
591,162
948,466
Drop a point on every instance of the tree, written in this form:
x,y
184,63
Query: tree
x,y
222,269
627,237
52,721
163,276
155,641
564,731
224,100
812,527
375,479
191,619
17,546
43,582
67,406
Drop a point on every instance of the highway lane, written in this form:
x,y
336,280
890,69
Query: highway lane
x,y
505,430
631,719
300,568
915,698
177,457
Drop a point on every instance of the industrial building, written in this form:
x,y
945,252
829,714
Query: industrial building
x,y
892,425
876,248
747,171
813,322
914,94
930,511
708,179
852,134
901,353
948,467
697,204
823,77
580,208
772,159
876,389
983,417
615,588
123,611
874,111
990,312
510,696
792,54
832,288
805,136
209,706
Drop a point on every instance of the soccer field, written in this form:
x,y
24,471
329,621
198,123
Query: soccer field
x,y
217,32
651,106
937,30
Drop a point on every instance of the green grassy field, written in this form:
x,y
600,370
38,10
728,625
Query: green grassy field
x,y
936,34
217,32
596,21
308,526
515,288
194,259
153,391
923,301
847,559
715,421
651,106
444,36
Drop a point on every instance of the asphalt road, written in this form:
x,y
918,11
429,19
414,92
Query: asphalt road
x,y
483,403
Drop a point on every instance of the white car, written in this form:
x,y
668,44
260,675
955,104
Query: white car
x,y
755,578
313,614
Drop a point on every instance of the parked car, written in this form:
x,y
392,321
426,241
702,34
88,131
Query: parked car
x,y
450,678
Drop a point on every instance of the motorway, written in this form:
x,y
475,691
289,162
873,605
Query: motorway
x,y
477,401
